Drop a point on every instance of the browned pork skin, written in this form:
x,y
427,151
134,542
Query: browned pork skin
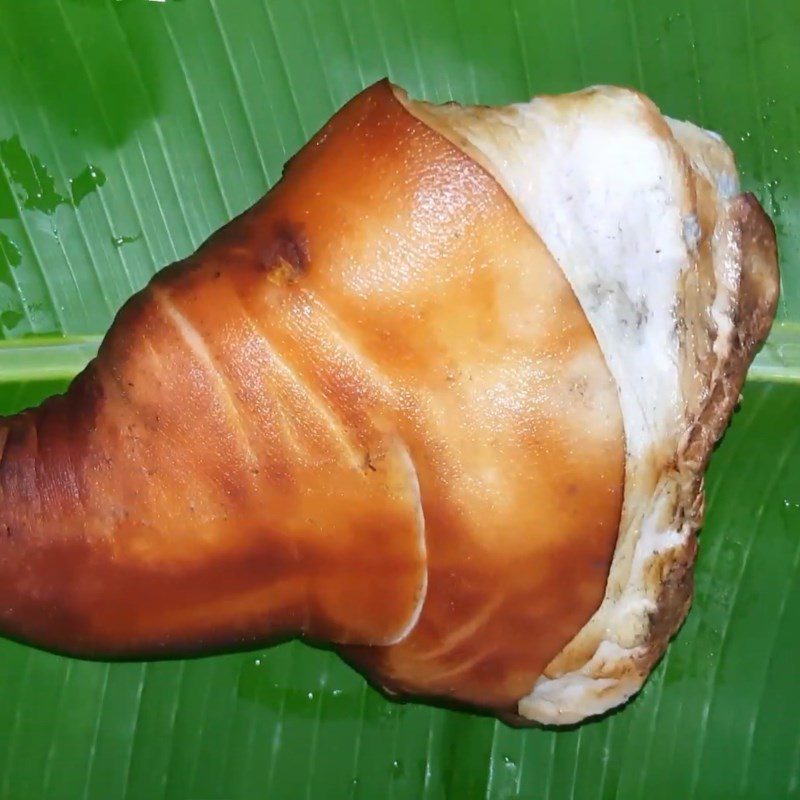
x,y
370,411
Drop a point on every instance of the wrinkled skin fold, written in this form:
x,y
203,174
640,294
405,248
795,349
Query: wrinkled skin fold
x,y
384,409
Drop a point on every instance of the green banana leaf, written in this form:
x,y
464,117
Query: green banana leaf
x,y
130,130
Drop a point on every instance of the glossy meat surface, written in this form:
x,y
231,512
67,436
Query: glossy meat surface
x,y
369,411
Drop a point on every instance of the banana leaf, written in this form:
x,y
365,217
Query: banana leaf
x,y
130,130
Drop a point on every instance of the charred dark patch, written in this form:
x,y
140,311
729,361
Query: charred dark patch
x,y
285,256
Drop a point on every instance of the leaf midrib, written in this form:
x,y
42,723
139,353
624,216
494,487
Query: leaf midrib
x,y
42,358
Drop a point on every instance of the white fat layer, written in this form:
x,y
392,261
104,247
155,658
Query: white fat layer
x,y
715,163
709,156
603,191
557,701
600,175
573,697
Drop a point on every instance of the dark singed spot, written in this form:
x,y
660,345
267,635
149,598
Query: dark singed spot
x,y
285,257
